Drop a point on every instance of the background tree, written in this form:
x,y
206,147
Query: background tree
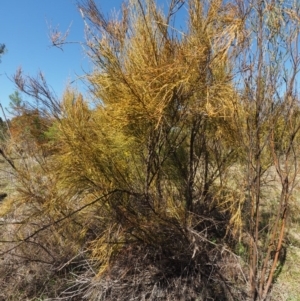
x,y
16,104
2,50
269,133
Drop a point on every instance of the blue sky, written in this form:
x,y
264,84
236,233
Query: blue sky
x,y
24,28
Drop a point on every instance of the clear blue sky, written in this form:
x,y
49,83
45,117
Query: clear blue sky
x,y
24,28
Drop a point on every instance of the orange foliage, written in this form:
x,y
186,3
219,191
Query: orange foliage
x,y
29,126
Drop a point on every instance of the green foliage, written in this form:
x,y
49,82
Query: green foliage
x,y
2,50
16,104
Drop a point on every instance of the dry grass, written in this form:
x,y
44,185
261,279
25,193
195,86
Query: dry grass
x,y
287,286
6,177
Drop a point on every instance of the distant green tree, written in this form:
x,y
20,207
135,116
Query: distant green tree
x,y
16,104
2,50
